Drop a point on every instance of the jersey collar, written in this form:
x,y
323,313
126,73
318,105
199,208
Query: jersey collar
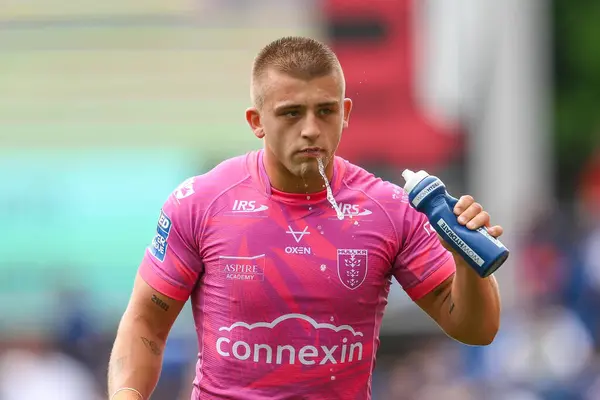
x,y
259,174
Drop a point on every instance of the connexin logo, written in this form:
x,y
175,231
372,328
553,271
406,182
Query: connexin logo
x,y
288,354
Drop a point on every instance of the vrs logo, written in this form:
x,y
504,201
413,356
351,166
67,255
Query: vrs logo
x,y
352,210
336,344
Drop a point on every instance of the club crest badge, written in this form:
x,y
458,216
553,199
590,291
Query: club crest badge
x,y
352,267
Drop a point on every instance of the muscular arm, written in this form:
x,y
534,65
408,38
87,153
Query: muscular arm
x,y
465,306
137,354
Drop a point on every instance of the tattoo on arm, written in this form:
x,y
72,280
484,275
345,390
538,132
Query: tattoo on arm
x,y
449,298
160,303
152,346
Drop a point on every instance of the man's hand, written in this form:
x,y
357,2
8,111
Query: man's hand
x,y
472,215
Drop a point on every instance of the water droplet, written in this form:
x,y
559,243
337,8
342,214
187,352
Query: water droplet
x,y
319,227
309,208
323,267
333,378
356,223
307,197
332,319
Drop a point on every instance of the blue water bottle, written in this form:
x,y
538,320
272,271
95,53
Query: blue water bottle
x,y
427,194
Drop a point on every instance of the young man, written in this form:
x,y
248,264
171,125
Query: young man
x,y
288,295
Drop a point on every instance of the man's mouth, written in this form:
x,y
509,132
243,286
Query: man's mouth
x,y
312,152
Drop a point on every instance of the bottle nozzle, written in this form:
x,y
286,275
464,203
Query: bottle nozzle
x,y
413,178
407,174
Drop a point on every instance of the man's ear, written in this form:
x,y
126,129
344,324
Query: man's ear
x,y
347,109
253,119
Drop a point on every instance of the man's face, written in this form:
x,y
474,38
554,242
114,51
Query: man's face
x,y
300,120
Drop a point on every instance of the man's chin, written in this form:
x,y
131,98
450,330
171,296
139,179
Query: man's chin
x,y
304,166
308,168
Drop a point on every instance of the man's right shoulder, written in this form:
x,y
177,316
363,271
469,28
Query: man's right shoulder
x,y
202,189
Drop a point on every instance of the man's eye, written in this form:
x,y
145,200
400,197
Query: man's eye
x,y
292,114
325,111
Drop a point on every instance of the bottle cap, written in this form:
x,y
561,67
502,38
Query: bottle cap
x,y
413,178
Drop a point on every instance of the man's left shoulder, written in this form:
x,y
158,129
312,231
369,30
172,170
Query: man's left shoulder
x,y
384,192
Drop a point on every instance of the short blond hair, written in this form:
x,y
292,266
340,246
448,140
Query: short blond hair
x,y
297,56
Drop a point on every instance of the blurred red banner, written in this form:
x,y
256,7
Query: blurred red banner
x,y
374,41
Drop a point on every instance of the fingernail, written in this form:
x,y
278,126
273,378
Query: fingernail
x,y
470,225
462,219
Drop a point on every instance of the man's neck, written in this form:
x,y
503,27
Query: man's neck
x,y
282,180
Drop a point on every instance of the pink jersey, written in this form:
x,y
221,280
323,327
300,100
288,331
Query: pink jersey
x,y
287,298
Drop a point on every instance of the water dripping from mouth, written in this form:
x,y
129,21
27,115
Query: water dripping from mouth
x,y
330,198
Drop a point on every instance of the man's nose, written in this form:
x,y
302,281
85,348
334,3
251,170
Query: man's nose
x,y
311,129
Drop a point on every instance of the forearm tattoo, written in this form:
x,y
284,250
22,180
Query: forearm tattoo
x,y
152,346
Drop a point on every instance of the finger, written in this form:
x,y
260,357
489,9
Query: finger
x,y
495,231
463,203
469,213
481,219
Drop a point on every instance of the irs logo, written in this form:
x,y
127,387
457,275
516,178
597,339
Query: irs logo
x,y
352,267
243,206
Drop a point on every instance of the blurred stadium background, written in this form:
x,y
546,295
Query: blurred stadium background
x,y
105,106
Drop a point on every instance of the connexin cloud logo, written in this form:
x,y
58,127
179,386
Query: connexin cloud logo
x,y
286,353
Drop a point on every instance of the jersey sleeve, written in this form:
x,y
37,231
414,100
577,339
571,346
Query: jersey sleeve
x,y
172,263
422,263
